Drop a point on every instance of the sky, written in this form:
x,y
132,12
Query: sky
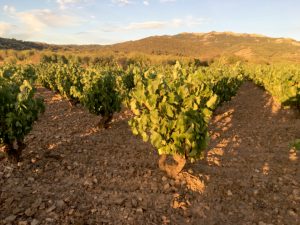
x,y
112,21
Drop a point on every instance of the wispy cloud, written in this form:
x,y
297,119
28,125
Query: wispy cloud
x,y
166,1
67,4
9,9
121,2
156,25
146,3
34,22
5,28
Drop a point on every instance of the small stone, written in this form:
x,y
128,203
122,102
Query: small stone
x,y
229,193
255,192
166,186
176,204
93,210
71,211
95,181
37,203
139,210
261,223
50,209
22,223
69,167
42,206
119,201
164,179
60,204
292,213
134,203
190,171
17,210
29,212
31,179
10,218
50,220
35,222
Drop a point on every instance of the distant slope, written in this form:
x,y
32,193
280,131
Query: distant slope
x,y
205,46
6,43
214,44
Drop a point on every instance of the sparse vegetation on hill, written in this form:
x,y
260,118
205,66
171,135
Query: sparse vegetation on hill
x,y
206,46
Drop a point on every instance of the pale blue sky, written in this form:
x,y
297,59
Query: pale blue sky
x,y
111,21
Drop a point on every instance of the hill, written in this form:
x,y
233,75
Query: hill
x,y
205,46
215,44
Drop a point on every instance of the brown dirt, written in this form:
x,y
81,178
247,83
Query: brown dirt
x,y
72,173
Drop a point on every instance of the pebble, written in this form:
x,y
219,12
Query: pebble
x,y
292,213
93,210
22,223
35,222
31,179
229,193
29,212
50,220
10,218
139,210
119,201
166,186
71,211
50,209
134,203
164,179
261,223
95,181
60,204
37,203
255,192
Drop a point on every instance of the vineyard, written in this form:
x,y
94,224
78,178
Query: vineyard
x,y
92,144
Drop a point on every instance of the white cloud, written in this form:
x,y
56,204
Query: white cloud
x,y
9,9
63,4
121,2
5,28
35,23
155,25
166,1
37,20
146,3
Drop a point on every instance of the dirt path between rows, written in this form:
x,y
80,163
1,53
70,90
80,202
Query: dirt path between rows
x,y
72,173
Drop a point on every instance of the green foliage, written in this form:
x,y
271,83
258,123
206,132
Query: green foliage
x,y
18,107
224,80
172,110
296,144
95,87
18,74
100,95
281,81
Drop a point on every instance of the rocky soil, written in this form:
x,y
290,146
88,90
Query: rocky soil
x,y
73,173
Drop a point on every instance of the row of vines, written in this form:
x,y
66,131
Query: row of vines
x,y
172,105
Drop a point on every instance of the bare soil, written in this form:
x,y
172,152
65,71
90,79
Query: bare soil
x,y
74,173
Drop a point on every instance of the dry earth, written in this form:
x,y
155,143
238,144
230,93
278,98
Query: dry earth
x,y
72,173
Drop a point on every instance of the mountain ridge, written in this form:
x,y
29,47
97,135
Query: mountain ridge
x,y
207,46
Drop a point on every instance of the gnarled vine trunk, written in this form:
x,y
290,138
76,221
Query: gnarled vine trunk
x,y
14,152
174,169
105,121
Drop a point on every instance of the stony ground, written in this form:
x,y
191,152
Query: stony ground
x,y
72,173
